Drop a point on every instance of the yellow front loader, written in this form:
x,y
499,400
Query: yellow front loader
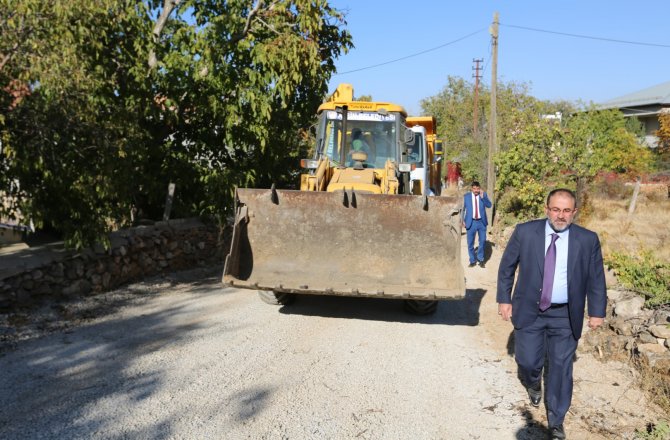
x,y
352,229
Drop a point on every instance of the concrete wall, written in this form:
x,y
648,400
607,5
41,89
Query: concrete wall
x,y
29,276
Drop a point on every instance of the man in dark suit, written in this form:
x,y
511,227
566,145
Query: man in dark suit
x,y
560,267
475,222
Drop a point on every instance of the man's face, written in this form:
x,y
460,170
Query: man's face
x,y
560,211
476,190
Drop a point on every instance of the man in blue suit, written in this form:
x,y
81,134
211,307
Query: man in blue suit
x,y
560,268
475,222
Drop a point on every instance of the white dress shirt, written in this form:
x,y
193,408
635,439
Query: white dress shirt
x,y
559,292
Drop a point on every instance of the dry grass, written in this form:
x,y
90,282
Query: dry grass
x,y
656,384
647,228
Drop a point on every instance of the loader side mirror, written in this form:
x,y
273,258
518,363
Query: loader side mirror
x,y
409,136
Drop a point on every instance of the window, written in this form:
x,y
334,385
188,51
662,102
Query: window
x,y
367,131
415,150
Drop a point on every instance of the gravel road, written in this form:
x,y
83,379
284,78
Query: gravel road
x,y
200,361
180,357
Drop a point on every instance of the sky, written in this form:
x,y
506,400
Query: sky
x,y
555,66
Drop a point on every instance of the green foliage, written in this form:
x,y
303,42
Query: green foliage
x,y
94,131
527,168
545,155
67,142
643,273
598,140
662,152
472,156
535,153
660,431
453,108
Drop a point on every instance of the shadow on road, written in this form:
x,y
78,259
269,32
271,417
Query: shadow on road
x,y
58,385
462,311
534,430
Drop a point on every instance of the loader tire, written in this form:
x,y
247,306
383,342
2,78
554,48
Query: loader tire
x,y
420,307
276,298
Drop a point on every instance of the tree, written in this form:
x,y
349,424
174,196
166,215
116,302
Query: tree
x,y
526,169
547,155
453,108
536,152
663,133
207,95
65,136
597,141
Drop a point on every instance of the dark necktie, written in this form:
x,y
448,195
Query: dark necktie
x,y
549,269
476,207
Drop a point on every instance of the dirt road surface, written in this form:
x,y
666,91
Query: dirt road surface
x,y
180,357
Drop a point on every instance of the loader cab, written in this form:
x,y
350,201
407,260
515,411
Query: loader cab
x,y
358,146
371,132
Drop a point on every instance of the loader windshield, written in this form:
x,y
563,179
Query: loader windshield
x,y
370,132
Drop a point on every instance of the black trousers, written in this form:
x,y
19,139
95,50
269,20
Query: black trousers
x,y
549,335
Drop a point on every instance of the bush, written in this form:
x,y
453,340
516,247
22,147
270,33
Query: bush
x,y
643,273
660,431
612,186
524,203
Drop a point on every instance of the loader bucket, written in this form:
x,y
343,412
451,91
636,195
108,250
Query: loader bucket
x,y
345,243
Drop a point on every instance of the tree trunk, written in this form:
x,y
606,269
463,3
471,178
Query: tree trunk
x,y
168,7
582,195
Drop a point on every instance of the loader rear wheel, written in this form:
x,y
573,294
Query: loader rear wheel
x,y
420,307
276,298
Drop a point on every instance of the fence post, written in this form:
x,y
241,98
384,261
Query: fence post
x,y
168,202
633,201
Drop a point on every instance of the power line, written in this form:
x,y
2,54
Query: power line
x,y
414,54
589,37
488,59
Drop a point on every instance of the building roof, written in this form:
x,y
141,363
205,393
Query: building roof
x,y
655,95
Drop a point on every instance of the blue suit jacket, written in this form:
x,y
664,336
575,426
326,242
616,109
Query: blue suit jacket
x,y
469,209
586,275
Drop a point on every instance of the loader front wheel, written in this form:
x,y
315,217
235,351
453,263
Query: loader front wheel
x,y
420,307
276,298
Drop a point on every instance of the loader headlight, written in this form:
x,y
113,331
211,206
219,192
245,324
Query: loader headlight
x,y
406,167
310,164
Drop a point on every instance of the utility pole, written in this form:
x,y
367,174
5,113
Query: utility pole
x,y
493,141
475,113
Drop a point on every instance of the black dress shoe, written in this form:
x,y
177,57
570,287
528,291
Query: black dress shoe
x,y
557,432
535,394
472,264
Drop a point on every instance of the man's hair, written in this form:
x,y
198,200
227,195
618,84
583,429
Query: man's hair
x,y
563,191
475,183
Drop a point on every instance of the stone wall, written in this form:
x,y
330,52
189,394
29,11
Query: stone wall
x,y
633,331
50,272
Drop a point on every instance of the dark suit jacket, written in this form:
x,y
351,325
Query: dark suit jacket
x,y
586,275
469,209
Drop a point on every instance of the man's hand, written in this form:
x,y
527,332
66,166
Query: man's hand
x,y
505,311
594,322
